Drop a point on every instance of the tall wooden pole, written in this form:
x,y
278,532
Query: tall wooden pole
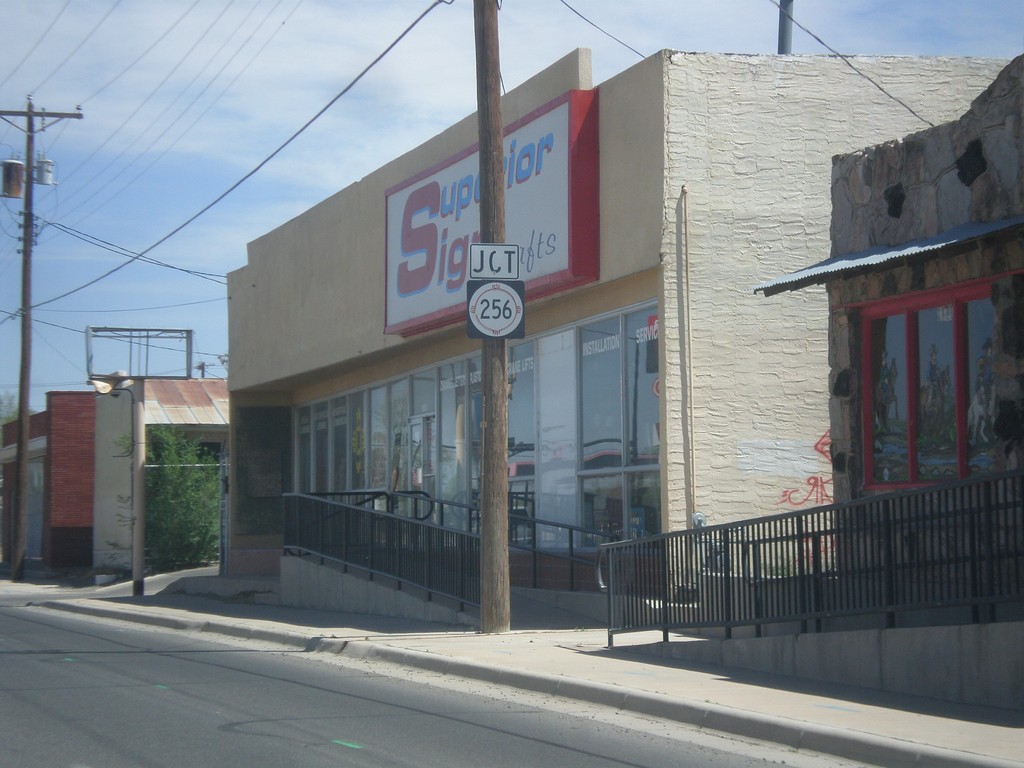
x,y
495,606
21,488
19,515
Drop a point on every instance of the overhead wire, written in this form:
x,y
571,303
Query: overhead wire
x,y
128,184
78,47
142,55
602,31
851,65
139,108
136,256
121,251
37,43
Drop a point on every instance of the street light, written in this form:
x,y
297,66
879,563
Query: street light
x,y
113,384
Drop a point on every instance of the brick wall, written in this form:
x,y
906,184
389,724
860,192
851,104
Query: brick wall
x,y
38,427
68,506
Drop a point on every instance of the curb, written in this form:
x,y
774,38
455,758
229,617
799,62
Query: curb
x,y
857,746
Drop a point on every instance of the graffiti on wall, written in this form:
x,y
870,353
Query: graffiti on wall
x,y
816,489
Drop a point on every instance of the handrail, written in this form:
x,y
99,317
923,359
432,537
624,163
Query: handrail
x,y
956,548
441,561
555,552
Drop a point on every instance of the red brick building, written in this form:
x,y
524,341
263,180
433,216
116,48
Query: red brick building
x,y
61,477
80,473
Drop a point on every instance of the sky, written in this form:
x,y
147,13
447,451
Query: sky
x,y
186,104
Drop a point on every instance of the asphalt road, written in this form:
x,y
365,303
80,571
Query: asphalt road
x,y
84,693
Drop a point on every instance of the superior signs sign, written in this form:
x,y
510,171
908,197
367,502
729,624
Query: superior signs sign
x,y
551,212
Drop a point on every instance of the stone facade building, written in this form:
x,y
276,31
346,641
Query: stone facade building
x,y
926,300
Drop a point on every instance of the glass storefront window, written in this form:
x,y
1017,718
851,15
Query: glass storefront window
x,y
378,471
930,401
644,511
476,402
522,428
602,504
601,394
424,388
889,406
981,408
304,454
452,468
321,437
582,409
357,414
643,387
936,405
339,444
556,406
399,415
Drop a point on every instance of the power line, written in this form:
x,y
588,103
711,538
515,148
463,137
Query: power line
x,y
603,31
850,64
137,309
78,47
301,130
258,167
137,110
37,43
100,243
142,55
111,197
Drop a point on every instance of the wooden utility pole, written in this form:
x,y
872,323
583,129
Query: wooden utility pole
x,y
19,515
495,607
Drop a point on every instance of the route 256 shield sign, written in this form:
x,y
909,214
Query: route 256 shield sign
x,y
496,309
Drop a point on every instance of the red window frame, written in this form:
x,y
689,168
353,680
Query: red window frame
x,y
908,306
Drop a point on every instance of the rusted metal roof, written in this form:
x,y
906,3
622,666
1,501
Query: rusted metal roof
x,y
198,402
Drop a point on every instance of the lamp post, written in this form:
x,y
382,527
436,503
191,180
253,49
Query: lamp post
x,y
113,384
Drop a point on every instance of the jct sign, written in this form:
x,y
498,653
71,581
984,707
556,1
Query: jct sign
x,y
551,212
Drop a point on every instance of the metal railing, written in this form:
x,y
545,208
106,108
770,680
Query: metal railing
x,y
434,544
362,529
956,546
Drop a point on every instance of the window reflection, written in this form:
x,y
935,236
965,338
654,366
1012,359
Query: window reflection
x,y
936,404
601,394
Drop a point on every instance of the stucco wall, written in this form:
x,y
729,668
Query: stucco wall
x,y
312,293
751,139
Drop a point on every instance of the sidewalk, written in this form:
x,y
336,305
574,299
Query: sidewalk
x,y
855,724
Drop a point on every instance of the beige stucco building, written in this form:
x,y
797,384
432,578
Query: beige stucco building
x,y
651,383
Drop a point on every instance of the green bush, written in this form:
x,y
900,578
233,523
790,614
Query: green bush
x,y
182,501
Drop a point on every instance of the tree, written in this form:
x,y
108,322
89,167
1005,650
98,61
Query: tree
x,y
8,407
182,501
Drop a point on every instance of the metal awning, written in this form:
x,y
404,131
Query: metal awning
x,y
827,270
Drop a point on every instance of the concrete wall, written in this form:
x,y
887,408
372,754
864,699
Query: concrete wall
x,y
112,490
979,663
306,584
747,198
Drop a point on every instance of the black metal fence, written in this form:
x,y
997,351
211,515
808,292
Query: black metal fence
x,y
435,544
361,529
958,546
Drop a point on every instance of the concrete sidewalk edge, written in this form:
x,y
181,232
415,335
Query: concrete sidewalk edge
x,y
797,735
